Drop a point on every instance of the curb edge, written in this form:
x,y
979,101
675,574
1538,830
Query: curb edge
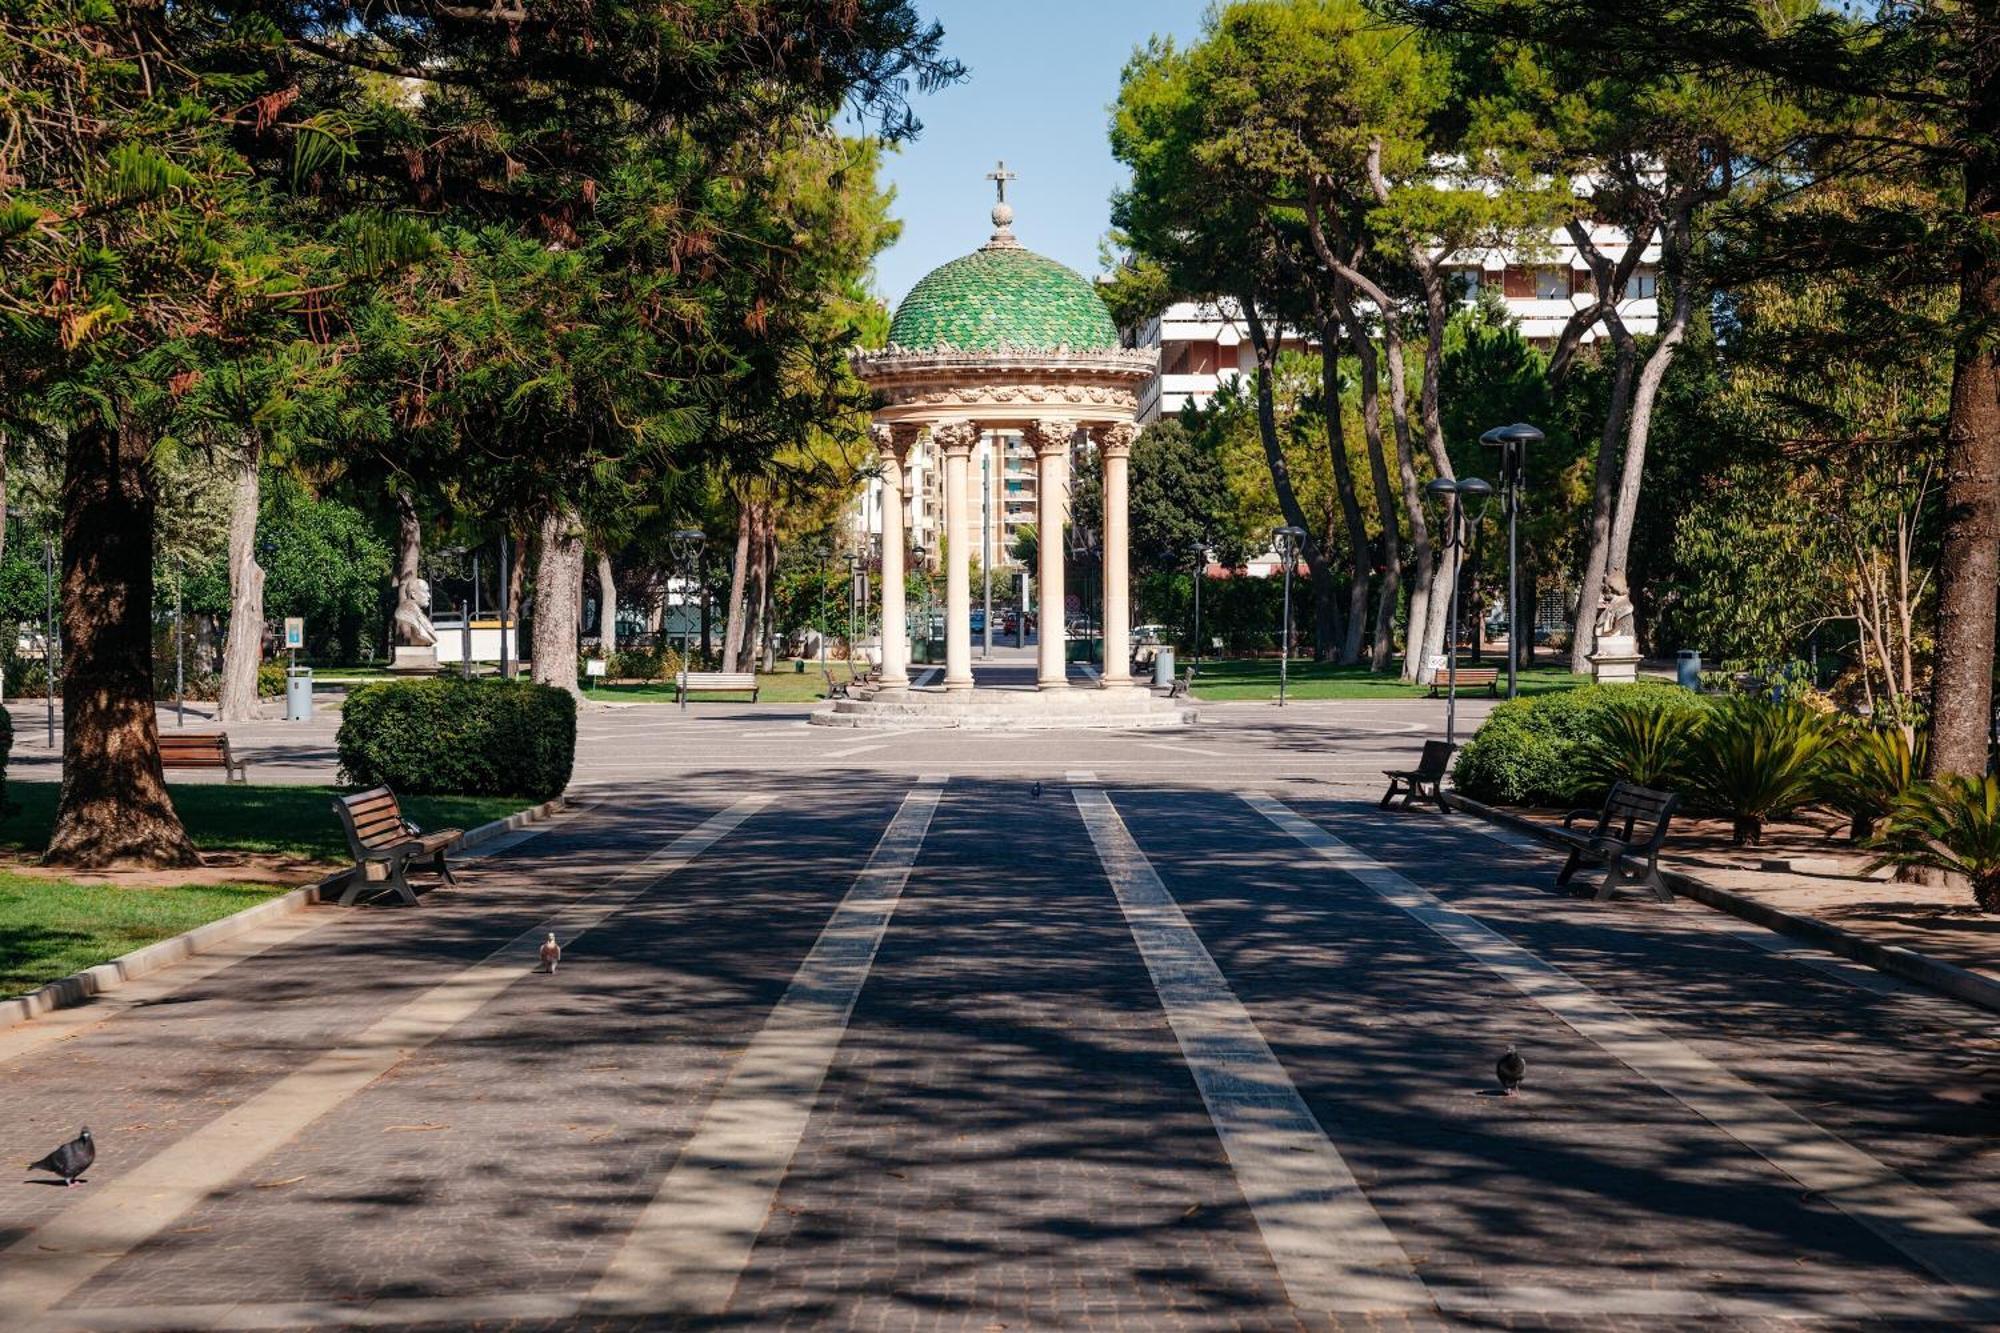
x,y
1906,964
74,989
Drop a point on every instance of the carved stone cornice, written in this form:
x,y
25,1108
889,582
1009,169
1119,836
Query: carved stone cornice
x,y
1137,362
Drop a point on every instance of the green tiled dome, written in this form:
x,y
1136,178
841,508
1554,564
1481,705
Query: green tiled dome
x,y
1000,296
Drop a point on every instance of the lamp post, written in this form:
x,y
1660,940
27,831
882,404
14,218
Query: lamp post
x,y
1455,494
853,605
1513,443
1200,553
1288,539
686,544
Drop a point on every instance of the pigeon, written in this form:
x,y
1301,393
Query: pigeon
x,y
71,1160
1513,1072
1038,791
551,953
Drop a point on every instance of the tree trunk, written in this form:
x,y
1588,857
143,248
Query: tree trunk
x,y
1350,503
114,808
1677,242
1583,637
408,560
1389,595
243,646
3,493
1320,574
558,588
607,605
1430,416
734,628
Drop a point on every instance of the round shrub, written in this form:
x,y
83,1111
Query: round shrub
x,y
1540,751
449,736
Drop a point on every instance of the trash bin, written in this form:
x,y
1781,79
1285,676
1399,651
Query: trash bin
x,y
1163,666
1687,669
298,694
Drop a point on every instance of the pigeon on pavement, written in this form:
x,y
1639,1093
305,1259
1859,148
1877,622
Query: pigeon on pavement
x,y
1038,791
71,1160
551,953
1513,1072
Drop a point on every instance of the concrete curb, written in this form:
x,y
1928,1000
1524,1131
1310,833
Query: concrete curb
x,y
74,989
1907,964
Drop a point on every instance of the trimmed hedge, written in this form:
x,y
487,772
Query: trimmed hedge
x,y
1537,751
449,736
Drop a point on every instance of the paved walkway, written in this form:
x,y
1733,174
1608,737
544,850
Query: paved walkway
x,y
924,1047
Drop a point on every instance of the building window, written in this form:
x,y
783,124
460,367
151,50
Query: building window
x,y
1464,284
1551,284
1518,284
1643,285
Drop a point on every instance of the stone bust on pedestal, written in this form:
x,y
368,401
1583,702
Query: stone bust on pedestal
x,y
1616,660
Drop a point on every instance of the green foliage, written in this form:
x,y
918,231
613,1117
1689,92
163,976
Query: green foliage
x,y
1755,760
1868,772
460,737
270,680
656,663
1539,751
1644,740
1952,825
325,561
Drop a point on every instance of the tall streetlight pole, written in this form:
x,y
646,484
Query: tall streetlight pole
x,y
986,548
1513,443
1288,539
685,545
1200,569
1455,494
853,605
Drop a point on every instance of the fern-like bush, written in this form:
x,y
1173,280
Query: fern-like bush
x,y
1754,760
1643,739
1871,766
1951,824
1539,751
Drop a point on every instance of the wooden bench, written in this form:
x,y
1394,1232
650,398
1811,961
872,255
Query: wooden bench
x,y
1409,783
1630,827
378,835
1179,689
837,689
1469,677
716,682
202,749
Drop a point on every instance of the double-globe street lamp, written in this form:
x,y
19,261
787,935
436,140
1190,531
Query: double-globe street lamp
x,y
686,546
1456,494
1200,553
1288,539
1513,443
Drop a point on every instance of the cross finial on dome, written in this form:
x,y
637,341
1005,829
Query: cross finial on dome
x,y
1003,212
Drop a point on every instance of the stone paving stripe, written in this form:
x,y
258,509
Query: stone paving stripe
x,y
1854,974
690,1245
453,1312
1182,749
932,779
1080,775
53,1260
1331,1249
1950,1244
854,750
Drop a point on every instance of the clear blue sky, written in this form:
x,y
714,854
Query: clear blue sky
x,y
1043,75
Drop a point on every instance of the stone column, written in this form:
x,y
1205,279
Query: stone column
x,y
1114,450
955,442
892,445
1050,440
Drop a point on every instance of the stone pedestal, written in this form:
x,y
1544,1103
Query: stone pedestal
x,y
1616,661
410,660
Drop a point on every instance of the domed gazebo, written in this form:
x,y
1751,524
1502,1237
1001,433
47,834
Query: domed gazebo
x,y
1005,339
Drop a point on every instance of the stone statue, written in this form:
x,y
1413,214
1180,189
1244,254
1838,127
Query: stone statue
x,y
1614,610
412,619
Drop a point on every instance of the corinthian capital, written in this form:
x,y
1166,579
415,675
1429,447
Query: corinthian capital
x,y
955,437
1048,435
1115,440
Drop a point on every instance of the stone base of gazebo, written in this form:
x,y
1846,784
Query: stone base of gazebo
x,y
1125,708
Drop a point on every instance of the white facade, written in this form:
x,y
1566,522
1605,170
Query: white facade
x,y
1009,469
1203,345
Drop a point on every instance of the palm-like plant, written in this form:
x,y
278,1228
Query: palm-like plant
x,y
1640,741
1868,770
1950,824
1753,760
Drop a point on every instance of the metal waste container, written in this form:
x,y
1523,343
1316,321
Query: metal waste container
x,y
1163,666
298,694
1687,669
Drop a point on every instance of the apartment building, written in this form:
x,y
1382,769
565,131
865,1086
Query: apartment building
x,y
1203,345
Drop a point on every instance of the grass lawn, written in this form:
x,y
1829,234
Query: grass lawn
x,y
786,686
50,928
280,821
1257,678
